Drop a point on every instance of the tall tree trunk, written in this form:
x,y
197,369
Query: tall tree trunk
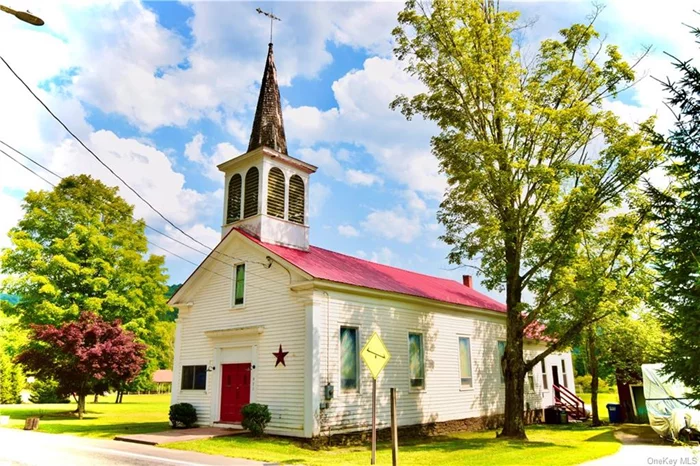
x,y
81,405
593,367
514,421
95,400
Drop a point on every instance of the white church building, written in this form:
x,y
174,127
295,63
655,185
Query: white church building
x,y
268,318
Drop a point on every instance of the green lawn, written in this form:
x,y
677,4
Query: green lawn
x,y
137,414
603,399
561,445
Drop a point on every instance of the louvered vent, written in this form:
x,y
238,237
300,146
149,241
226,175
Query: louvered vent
x,y
296,199
250,207
233,211
275,193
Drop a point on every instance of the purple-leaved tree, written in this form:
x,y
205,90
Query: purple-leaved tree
x,y
80,355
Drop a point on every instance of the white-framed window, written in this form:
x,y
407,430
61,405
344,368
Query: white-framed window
x,y
349,358
193,378
416,360
563,373
501,360
531,380
238,291
545,379
465,363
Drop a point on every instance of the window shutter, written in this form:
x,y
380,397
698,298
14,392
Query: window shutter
x,y
296,199
233,211
250,207
275,193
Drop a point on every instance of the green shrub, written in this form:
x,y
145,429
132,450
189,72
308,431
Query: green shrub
x,y
182,415
46,391
11,381
255,418
583,384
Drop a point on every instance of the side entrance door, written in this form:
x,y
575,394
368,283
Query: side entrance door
x,y
235,391
555,381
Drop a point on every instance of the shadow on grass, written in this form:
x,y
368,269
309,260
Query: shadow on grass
x,y
106,430
448,444
607,437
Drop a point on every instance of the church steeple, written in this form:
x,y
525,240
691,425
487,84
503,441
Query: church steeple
x,y
268,127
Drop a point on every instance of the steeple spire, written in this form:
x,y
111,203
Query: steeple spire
x,y
268,127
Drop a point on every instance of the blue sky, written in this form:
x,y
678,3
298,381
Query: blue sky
x,y
164,91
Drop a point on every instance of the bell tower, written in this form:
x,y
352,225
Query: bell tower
x,y
266,190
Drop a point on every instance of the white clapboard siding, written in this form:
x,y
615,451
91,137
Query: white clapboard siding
x,y
443,398
269,303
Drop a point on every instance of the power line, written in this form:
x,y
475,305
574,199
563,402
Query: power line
x,y
238,259
26,167
29,158
102,162
108,204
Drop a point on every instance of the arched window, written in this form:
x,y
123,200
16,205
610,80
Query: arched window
x,y
250,206
296,199
233,209
275,193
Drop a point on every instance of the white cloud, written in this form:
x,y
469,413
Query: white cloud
x,y
222,152
393,224
318,195
145,168
329,165
383,256
363,118
361,178
348,231
12,212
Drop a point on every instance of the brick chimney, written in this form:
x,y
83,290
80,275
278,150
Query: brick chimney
x,y
467,281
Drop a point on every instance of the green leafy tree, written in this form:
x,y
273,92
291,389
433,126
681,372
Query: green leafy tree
x,y
78,248
533,159
609,278
678,214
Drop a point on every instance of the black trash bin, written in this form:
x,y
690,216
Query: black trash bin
x,y
614,413
555,415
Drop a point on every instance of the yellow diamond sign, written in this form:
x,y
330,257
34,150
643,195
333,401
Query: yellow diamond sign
x,y
375,355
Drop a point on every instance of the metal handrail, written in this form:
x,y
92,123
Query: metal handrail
x,y
574,402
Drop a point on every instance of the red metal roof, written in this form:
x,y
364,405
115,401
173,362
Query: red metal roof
x,y
336,267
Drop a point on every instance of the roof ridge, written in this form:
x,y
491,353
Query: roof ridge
x,y
389,266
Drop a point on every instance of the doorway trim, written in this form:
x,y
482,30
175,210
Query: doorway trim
x,y
231,353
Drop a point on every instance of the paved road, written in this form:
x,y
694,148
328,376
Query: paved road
x,y
633,455
24,448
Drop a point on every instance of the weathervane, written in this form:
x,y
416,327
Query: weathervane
x,y
272,17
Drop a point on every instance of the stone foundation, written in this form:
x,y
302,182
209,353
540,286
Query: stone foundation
x,y
431,429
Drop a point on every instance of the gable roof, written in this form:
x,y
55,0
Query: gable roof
x,y
340,268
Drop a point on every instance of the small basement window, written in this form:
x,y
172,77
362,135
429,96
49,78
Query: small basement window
x,y
194,378
239,285
416,361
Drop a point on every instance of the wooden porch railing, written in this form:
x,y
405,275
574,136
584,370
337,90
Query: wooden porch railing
x,y
570,402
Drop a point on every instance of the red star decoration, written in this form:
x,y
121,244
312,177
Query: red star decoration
x,y
280,356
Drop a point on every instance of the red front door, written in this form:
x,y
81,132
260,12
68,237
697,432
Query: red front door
x,y
235,391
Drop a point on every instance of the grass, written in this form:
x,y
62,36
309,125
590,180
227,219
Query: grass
x,y
561,445
135,415
603,399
